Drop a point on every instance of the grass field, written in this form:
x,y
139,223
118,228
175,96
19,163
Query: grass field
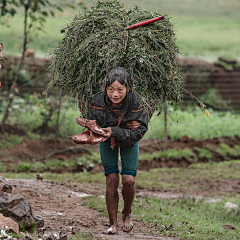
x,y
164,179
190,122
194,124
203,28
186,218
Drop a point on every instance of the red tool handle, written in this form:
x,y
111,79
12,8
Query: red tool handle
x,y
145,22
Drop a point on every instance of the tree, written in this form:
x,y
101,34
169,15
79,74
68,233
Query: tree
x,y
35,14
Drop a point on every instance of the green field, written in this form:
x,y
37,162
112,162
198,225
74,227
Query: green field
x,y
191,121
204,29
194,124
186,218
158,179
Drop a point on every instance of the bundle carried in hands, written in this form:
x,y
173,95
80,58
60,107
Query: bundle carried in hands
x,y
97,40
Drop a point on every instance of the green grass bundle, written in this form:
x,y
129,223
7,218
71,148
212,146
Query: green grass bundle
x,y
96,41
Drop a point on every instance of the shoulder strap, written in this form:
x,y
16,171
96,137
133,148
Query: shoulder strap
x,y
119,112
137,110
98,108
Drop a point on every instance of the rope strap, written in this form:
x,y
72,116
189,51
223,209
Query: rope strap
x,y
119,112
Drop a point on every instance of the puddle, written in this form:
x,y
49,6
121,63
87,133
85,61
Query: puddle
x,y
176,196
164,195
81,195
50,213
144,236
133,236
212,200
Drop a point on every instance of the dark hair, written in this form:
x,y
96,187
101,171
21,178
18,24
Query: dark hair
x,y
121,75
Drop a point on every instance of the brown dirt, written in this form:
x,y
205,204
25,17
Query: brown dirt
x,y
12,129
60,205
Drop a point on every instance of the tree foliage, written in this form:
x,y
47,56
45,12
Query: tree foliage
x,y
35,14
38,10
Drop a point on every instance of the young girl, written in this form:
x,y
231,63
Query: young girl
x,y
117,112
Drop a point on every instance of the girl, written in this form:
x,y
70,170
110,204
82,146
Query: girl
x,y
117,112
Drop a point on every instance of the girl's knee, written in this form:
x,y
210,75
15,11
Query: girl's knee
x,y
112,180
128,180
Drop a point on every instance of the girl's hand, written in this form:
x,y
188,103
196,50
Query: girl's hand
x,y
108,133
133,125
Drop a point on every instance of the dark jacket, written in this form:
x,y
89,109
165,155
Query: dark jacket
x,y
123,137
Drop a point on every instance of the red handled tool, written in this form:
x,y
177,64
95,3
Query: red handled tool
x,y
144,23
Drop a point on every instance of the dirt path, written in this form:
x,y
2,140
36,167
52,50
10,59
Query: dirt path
x,y
60,205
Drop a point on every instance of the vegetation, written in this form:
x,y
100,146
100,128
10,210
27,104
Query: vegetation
x,y
186,218
97,41
35,13
26,113
173,179
2,167
87,162
226,151
204,153
82,177
214,100
195,125
10,141
169,179
174,154
77,164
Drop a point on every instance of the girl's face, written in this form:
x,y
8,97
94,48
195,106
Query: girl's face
x,y
116,93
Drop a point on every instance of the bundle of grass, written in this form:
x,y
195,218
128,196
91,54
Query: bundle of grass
x,y
97,41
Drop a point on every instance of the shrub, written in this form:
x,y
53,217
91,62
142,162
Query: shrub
x,y
226,151
204,153
175,154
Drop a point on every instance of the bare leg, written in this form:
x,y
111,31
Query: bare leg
x,y
112,182
128,193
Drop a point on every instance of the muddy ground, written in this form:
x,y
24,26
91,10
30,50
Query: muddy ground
x,y
64,149
60,204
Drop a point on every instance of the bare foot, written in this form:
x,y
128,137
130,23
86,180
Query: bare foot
x,y
112,230
127,222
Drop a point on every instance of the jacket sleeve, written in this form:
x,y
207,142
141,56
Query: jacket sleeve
x,y
131,136
94,114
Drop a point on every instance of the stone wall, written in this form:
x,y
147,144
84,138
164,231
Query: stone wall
x,y
199,75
